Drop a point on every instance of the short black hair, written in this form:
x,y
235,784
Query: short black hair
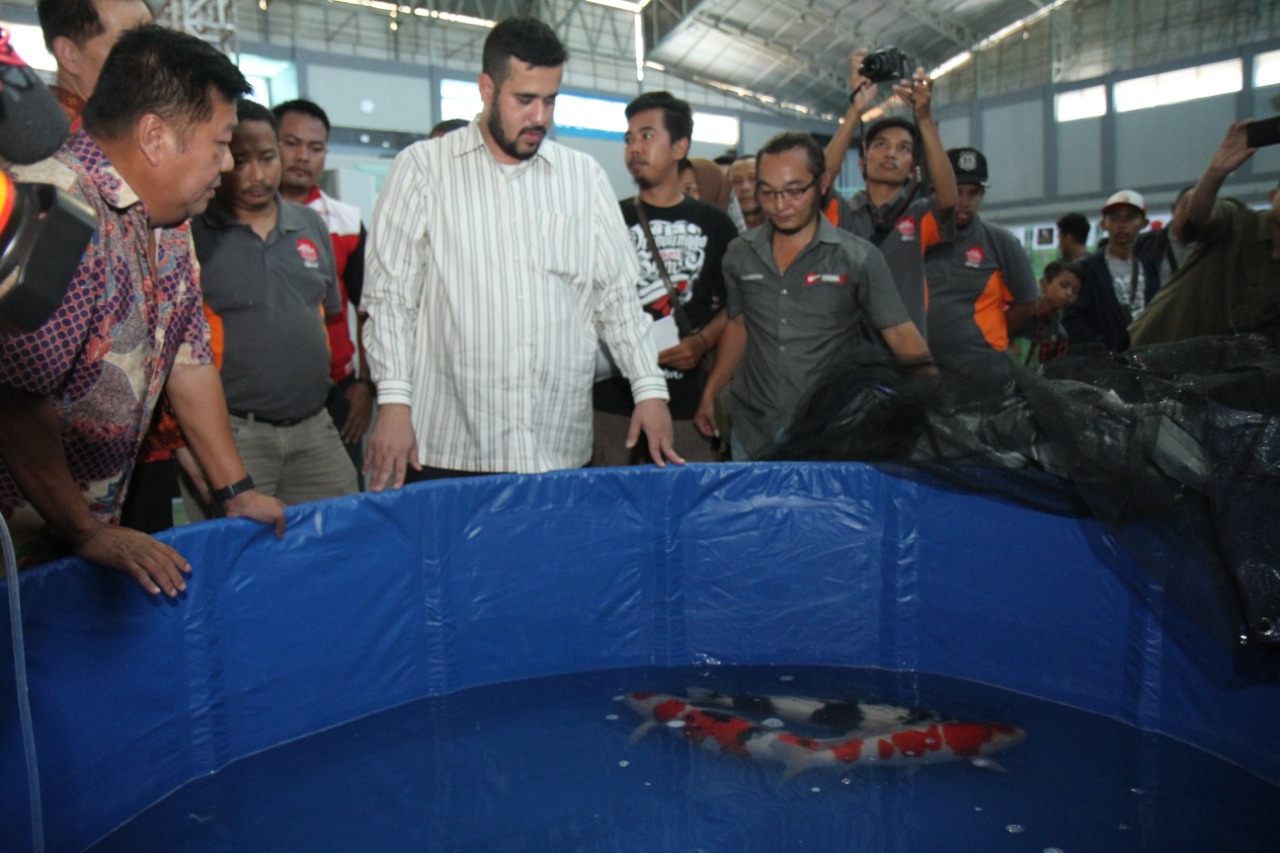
x,y
728,158
1053,269
449,125
881,125
528,40
677,115
306,108
77,20
247,110
161,71
1076,225
789,139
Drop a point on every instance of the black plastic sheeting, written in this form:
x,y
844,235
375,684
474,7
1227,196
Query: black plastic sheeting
x,y
373,601
1175,448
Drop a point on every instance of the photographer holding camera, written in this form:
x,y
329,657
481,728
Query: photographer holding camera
x,y
1230,283
895,211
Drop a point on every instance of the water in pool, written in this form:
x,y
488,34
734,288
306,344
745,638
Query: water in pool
x,y
550,765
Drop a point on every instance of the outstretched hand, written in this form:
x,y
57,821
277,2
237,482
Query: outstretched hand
x,y
653,418
154,565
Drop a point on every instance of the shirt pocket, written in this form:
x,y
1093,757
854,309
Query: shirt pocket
x,y
564,249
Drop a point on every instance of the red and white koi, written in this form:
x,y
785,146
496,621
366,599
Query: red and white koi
x,y
910,746
711,729
837,714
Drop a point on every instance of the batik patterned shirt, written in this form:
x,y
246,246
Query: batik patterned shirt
x,y
103,358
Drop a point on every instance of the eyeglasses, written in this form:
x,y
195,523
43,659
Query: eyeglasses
x,y
789,193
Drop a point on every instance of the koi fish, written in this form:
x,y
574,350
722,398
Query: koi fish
x,y
909,746
711,729
835,714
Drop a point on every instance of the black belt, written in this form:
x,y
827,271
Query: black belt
x,y
276,422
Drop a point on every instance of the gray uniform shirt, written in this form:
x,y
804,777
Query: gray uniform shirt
x,y
972,278
906,232
269,298
801,324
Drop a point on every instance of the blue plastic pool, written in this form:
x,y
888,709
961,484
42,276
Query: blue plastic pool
x,y
400,601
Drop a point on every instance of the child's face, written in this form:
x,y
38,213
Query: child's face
x,y
1061,290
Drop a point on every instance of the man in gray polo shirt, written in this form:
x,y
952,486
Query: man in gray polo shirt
x,y
268,278
802,296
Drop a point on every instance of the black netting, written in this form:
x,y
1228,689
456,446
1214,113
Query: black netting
x,y
1174,447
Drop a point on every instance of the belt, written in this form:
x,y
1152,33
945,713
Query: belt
x,y
276,422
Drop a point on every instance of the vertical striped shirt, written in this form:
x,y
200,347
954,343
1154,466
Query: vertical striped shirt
x,y
487,288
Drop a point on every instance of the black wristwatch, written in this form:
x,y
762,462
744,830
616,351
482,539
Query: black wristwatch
x,y
226,493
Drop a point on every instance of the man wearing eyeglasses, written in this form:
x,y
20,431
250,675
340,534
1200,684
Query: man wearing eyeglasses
x,y
1117,281
802,295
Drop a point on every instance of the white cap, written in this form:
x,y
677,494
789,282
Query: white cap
x,y
1129,197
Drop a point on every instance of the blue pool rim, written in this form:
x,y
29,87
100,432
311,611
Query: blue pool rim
x,y
372,601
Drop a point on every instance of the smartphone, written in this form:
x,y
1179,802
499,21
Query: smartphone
x,y
1263,132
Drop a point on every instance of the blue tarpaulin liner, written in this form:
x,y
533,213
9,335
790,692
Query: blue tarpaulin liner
x,y
372,601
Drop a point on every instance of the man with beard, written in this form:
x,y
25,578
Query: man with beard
x,y
269,281
690,238
496,260
802,296
77,393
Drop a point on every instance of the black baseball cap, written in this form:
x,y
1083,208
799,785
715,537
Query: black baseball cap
x,y
969,165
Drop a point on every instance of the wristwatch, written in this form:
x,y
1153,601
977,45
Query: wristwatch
x,y
226,493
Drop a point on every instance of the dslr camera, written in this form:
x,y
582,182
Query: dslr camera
x,y
886,64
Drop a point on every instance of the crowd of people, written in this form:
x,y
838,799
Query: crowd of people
x,y
510,315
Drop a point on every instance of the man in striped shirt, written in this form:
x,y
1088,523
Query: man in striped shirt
x,y
496,260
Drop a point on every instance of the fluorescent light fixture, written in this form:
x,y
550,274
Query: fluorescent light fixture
x,y
621,5
395,9
1175,87
999,35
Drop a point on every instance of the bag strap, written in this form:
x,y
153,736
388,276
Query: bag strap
x,y
682,321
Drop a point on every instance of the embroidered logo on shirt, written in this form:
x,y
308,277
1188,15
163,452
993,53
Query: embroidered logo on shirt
x,y
309,253
974,256
907,228
830,278
751,276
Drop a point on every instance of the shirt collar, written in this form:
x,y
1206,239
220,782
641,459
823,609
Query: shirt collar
x,y
472,140
92,162
291,218
761,238
863,199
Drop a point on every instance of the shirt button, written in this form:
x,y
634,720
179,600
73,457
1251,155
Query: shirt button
x,y
784,291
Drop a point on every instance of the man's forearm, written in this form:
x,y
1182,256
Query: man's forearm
x,y
1201,201
940,171
840,142
195,394
31,446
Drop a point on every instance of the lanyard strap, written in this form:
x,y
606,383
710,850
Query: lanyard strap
x,y
682,321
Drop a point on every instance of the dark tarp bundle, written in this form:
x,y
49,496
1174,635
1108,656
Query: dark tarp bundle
x,y
1174,447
